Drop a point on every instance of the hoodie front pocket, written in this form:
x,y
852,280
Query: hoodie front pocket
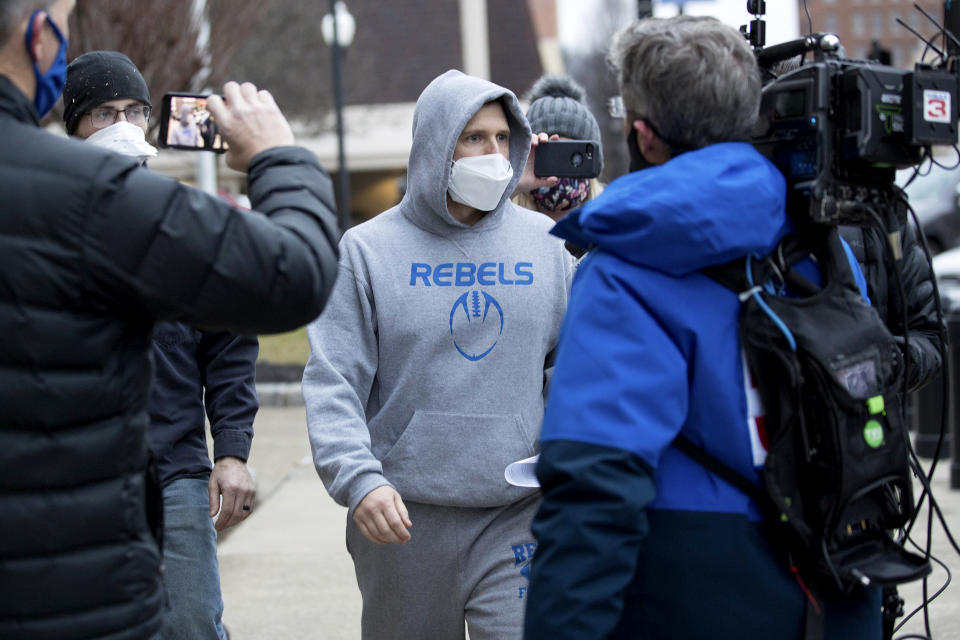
x,y
457,459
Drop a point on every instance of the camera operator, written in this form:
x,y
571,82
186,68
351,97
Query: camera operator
x,y
93,251
635,540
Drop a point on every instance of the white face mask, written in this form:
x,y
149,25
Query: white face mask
x,y
124,138
479,181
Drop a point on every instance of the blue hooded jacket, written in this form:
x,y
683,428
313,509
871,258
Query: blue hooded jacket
x,y
635,539
654,326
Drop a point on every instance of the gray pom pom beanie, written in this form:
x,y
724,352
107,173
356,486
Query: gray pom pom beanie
x,y
556,106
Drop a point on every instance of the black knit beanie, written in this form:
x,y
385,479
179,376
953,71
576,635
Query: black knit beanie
x,y
556,106
97,77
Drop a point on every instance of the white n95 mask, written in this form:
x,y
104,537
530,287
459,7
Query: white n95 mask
x,y
124,138
479,181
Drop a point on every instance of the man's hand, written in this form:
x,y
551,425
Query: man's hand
x,y
382,516
250,122
529,181
231,479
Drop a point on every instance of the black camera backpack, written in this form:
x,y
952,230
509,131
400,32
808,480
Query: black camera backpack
x,y
836,481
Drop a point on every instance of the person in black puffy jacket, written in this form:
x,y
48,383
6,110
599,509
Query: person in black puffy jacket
x,y
200,374
94,250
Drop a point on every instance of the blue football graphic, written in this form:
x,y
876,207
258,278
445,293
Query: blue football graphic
x,y
476,323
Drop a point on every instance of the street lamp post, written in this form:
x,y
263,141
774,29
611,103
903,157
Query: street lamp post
x,y
337,29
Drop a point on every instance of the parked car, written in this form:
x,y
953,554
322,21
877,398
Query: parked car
x,y
936,201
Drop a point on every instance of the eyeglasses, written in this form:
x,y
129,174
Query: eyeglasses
x,y
137,114
616,108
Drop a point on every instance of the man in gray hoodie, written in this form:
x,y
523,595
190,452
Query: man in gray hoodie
x,y
428,371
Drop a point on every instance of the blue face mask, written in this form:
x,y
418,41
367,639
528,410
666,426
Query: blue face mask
x,y
49,84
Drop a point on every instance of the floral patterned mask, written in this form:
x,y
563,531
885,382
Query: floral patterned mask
x,y
569,193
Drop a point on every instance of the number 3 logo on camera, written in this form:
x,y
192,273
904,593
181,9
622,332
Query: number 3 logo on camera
x,y
936,106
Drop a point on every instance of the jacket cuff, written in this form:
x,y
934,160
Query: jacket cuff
x,y
235,444
363,485
285,155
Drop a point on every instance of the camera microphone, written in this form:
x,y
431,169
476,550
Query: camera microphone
x,y
771,55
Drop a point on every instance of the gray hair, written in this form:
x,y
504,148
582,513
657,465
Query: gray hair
x,y
694,78
13,11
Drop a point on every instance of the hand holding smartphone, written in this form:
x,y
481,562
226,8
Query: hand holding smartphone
x,y
250,121
245,117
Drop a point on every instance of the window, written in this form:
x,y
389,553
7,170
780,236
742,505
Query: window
x,y
830,23
859,25
896,57
877,24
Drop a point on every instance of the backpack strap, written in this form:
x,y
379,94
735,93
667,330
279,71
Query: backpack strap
x,y
732,274
722,469
778,266
814,622
813,628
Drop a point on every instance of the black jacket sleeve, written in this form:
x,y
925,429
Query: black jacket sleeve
x,y
588,529
925,335
157,249
922,330
227,364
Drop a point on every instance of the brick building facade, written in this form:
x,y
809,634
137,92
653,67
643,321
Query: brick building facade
x,y
860,23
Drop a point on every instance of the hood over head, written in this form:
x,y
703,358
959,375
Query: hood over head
x,y
701,208
443,110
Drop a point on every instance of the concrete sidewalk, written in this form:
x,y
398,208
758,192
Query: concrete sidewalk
x,y
944,612
286,573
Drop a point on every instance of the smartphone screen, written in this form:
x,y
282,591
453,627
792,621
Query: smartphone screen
x,y
185,123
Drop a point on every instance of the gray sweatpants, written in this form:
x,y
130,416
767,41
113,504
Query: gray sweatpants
x,y
460,564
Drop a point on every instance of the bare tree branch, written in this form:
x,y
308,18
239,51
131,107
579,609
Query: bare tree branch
x,y
591,70
162,37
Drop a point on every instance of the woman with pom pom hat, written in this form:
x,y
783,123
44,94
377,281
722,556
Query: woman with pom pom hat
x,y
557,109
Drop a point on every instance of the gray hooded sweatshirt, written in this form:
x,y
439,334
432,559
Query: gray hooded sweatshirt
x,y
428,367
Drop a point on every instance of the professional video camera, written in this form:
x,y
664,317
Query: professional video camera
x,y
839,129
